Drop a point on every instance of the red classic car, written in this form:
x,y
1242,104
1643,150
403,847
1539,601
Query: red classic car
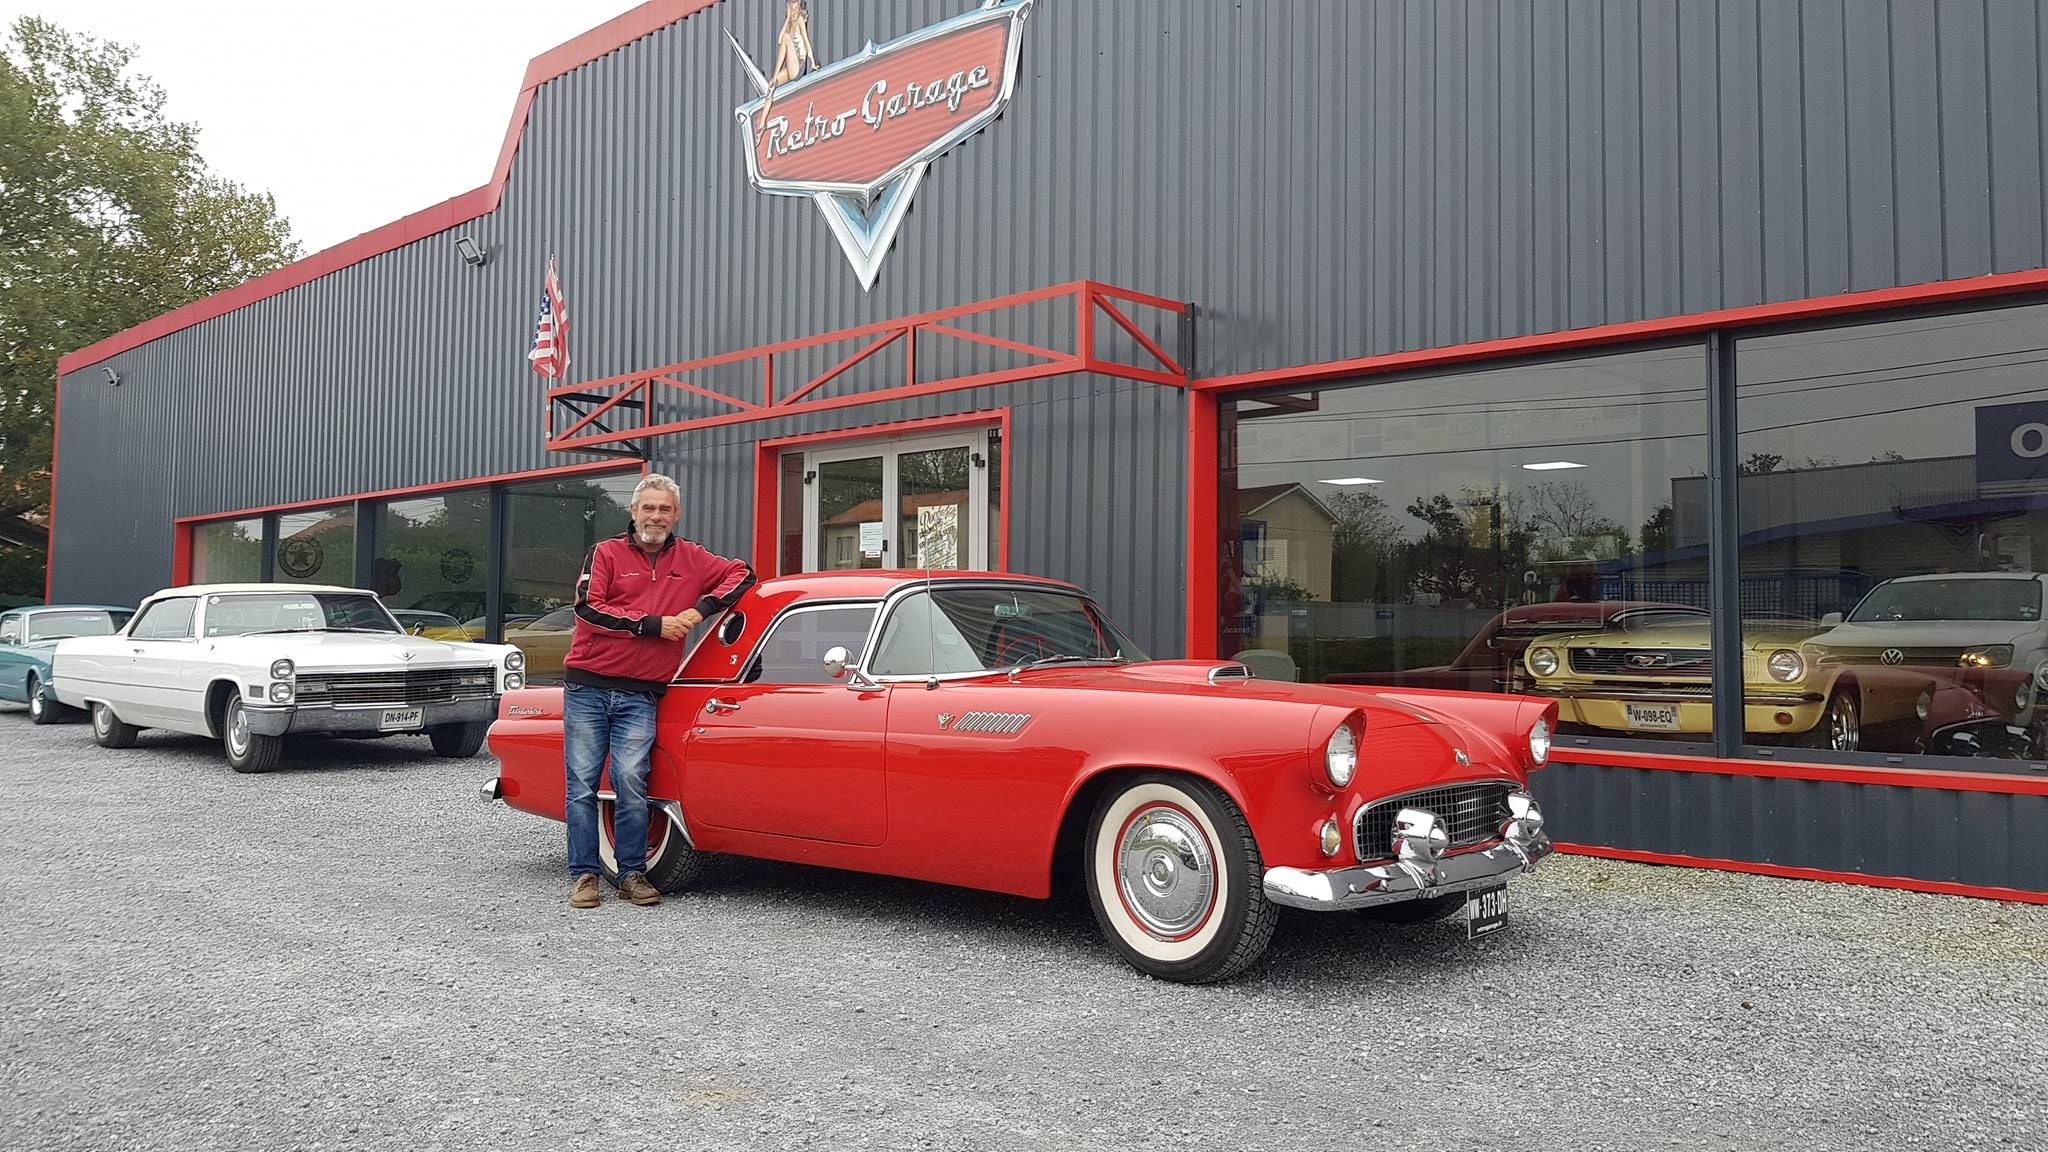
x,y
986,730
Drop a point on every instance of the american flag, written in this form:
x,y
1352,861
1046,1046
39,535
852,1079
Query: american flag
x,y
549,353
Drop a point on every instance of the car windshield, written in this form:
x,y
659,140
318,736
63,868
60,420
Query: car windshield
x,y
1951,600
58,625
239,614
993,629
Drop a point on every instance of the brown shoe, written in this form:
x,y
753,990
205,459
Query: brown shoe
x,y
586,893
634,886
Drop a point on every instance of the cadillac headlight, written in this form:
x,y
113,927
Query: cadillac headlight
x,y
1786,666
1340,759
281,669
515,661
1539,743
514,681
1989,656
1543,661
281,692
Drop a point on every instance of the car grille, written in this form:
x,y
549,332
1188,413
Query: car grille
x,y
1643,661
399,687
1909,657
1471,813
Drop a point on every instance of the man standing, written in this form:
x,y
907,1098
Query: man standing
x,y
638,598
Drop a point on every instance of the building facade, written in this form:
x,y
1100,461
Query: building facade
x,y
1675,360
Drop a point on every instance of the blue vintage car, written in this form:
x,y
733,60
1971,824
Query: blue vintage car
x,y
27,638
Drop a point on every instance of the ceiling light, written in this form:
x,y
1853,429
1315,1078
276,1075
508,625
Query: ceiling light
x,y
1551,466
1350,481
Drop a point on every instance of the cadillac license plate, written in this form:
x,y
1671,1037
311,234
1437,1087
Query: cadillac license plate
x,y
1655,717
400,719
1486,911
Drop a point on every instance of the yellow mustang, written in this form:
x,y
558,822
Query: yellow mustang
x,y
1650,672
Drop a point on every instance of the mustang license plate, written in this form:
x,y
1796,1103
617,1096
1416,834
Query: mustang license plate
x,y
400,719
1655,717
1486,911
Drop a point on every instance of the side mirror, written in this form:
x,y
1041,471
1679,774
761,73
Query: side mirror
x,y
1831,619
836,660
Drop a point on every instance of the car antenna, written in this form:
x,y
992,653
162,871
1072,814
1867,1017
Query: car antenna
x,y
931,632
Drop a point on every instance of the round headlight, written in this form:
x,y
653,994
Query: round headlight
x,y
1543,661
281,669
1340,760
515,660
514,681
1786,666
1539,743
280,692
2023,696
1925,704
1330,838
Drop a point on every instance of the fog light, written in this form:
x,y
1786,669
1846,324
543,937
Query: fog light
x,y
1331,837
514,681
1418,837
281,669
280,693
1525,817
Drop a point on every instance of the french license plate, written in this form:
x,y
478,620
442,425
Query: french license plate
x,y
1486,911
400,719
1655,717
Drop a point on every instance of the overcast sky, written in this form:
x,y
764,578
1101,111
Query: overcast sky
x,y
352,115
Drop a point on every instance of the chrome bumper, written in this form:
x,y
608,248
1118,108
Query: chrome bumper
x,y
283,719
491,790
1366,886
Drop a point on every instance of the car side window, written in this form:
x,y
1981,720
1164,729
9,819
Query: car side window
x,y
10,630
921,640
794,650
165,620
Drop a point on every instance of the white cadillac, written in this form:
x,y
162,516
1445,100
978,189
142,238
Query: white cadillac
x,y
251,663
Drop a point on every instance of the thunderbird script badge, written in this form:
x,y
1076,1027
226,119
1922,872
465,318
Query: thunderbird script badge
x,y
856,137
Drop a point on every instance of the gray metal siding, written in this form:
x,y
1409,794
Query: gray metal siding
x,y
1986,839
1324,178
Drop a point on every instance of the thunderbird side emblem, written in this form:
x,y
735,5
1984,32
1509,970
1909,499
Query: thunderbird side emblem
x,y
856,137
945,718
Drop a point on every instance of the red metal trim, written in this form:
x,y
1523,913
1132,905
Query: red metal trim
x,y
50,521
834,372
1204,582
416,490
1940,291
1124,322
995,342
558,61
181,554
704,392
1907,883
1837,773
768,473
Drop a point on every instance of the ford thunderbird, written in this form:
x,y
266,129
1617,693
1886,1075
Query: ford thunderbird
x,y
28,637
992,731
250,664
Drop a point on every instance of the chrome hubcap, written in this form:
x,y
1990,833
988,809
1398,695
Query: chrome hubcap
x,y
1846,731
35,698
102,719
1166,872
238,731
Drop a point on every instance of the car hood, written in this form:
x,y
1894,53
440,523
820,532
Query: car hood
x,y
1925,634
314,650
1688,637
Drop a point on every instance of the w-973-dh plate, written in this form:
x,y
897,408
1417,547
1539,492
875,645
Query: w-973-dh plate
x,y
1486,911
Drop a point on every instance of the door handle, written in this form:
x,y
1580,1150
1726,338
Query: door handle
x,y
138,651
717,706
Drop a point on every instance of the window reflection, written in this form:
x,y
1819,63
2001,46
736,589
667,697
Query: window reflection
x,y
228,552
316,547
1894,525
432,554
1439,532
549,528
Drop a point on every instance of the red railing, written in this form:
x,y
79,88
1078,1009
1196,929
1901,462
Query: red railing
x,y
595,415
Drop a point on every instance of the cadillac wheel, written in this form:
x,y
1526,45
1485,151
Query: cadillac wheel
x,y
247,751
1173,874
672,864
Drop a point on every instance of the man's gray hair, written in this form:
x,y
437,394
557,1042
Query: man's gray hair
x,y
657,480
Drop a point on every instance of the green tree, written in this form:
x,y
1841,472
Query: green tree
x,y
108,216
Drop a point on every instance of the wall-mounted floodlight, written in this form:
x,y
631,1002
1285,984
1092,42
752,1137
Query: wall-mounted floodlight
x,y
113,377
471,252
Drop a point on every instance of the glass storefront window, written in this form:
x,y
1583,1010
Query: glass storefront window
x,y
549,528
228,552
316,547
1893,513
432,556
1529,528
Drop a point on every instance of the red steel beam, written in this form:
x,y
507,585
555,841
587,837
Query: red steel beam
x,y
1138,334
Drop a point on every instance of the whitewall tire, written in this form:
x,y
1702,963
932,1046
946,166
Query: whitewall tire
x,y
672,865
1176,880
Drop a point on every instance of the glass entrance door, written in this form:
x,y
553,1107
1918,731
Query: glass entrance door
x,y
905,504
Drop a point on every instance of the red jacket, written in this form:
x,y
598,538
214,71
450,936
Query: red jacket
x,y
621,598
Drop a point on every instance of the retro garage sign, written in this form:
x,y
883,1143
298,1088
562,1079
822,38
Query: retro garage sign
x,y
856,137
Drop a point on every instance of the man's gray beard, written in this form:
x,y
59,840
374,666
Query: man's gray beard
x,y
649,539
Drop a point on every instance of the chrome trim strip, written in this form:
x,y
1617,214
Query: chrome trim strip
x,y
1671,697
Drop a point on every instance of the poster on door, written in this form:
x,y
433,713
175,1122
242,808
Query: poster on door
x,y
938,536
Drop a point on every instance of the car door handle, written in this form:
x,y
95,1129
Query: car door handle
x,y
717,706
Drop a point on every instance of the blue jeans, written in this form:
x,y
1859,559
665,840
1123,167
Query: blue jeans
x,y
596,721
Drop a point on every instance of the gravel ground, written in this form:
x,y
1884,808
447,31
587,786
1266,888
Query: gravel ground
x,y
354,952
